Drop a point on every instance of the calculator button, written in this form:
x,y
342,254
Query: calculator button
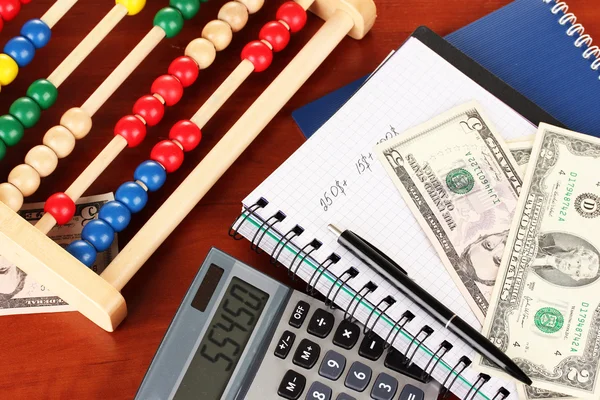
x,y
371,347
344,396
333,365
307,354
358,377
321,323
346,335
384,388
292,385
411,392
285,344
318,391
397,362
299,314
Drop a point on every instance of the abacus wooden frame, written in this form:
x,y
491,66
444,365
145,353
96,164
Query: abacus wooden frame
x,y
98,297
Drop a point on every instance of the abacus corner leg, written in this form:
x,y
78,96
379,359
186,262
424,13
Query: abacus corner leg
x,y
363,13
37,255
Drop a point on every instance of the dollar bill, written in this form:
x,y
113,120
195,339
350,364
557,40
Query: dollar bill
x,y
462,184
20,293
545,309
521,151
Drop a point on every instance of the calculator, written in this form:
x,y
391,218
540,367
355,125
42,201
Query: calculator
x,y
239,334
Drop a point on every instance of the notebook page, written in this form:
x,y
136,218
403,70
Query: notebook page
x,y
412,87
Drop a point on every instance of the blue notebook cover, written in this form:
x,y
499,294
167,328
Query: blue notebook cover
x,y
530,45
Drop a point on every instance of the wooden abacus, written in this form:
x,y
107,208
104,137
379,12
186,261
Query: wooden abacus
x,y
99,297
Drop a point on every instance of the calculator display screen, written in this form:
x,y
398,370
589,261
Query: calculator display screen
x,y
223,343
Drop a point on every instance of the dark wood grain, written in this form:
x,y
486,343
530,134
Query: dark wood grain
x,y
55,356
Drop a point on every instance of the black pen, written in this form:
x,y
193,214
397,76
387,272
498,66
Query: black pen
x,y
398,277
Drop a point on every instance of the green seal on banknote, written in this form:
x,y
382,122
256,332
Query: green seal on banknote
x,y
460,181
549,320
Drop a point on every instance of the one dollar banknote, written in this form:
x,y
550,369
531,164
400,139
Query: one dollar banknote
x,y
20,293
545,309
462,184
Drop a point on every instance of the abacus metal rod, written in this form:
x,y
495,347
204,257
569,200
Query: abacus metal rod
x,y
227,150
57,11
87,45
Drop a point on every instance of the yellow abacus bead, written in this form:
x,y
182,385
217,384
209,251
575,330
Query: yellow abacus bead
x,y
11,196
8,70
25,178
133,6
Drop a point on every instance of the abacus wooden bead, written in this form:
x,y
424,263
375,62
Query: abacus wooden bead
x,y
77,121
187,133
43,92
83,251
8,70
187,8
116,214
61,207
276,34
169,88
133,6
132,129
9,9
24,178
149,108
235,14
11,196
26,110
151,174
132,195
99,234
168,154
37,31
185,69
202,51
219,33
60,140
292,14
252,5
43,159
11,130
21,50
170,20
259,54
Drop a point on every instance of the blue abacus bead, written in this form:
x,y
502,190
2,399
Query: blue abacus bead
x,y
37,32
132,195
99,233
116,214
20,49
152,174
83,251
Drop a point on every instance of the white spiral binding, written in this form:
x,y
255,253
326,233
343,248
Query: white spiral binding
x,y
583,38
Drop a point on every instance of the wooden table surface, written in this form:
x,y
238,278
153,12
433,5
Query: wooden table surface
x,y
56,356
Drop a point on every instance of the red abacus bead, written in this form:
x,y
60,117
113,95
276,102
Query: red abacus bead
x,y
276,34
259,54
169,88
150,108
25,1
185,69
1,23
168,154
187,133
132,129
292,14
61,207
9,9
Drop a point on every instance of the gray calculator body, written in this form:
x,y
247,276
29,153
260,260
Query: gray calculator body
x,y
223,341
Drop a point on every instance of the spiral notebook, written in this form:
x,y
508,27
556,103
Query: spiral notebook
x,y
536,46
334,178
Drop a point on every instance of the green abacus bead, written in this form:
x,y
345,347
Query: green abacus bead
x,y
11,130
2,149
43,92
26,111
187,8
203,1
170,20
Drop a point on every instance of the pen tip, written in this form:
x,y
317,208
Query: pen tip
x,y
334,230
